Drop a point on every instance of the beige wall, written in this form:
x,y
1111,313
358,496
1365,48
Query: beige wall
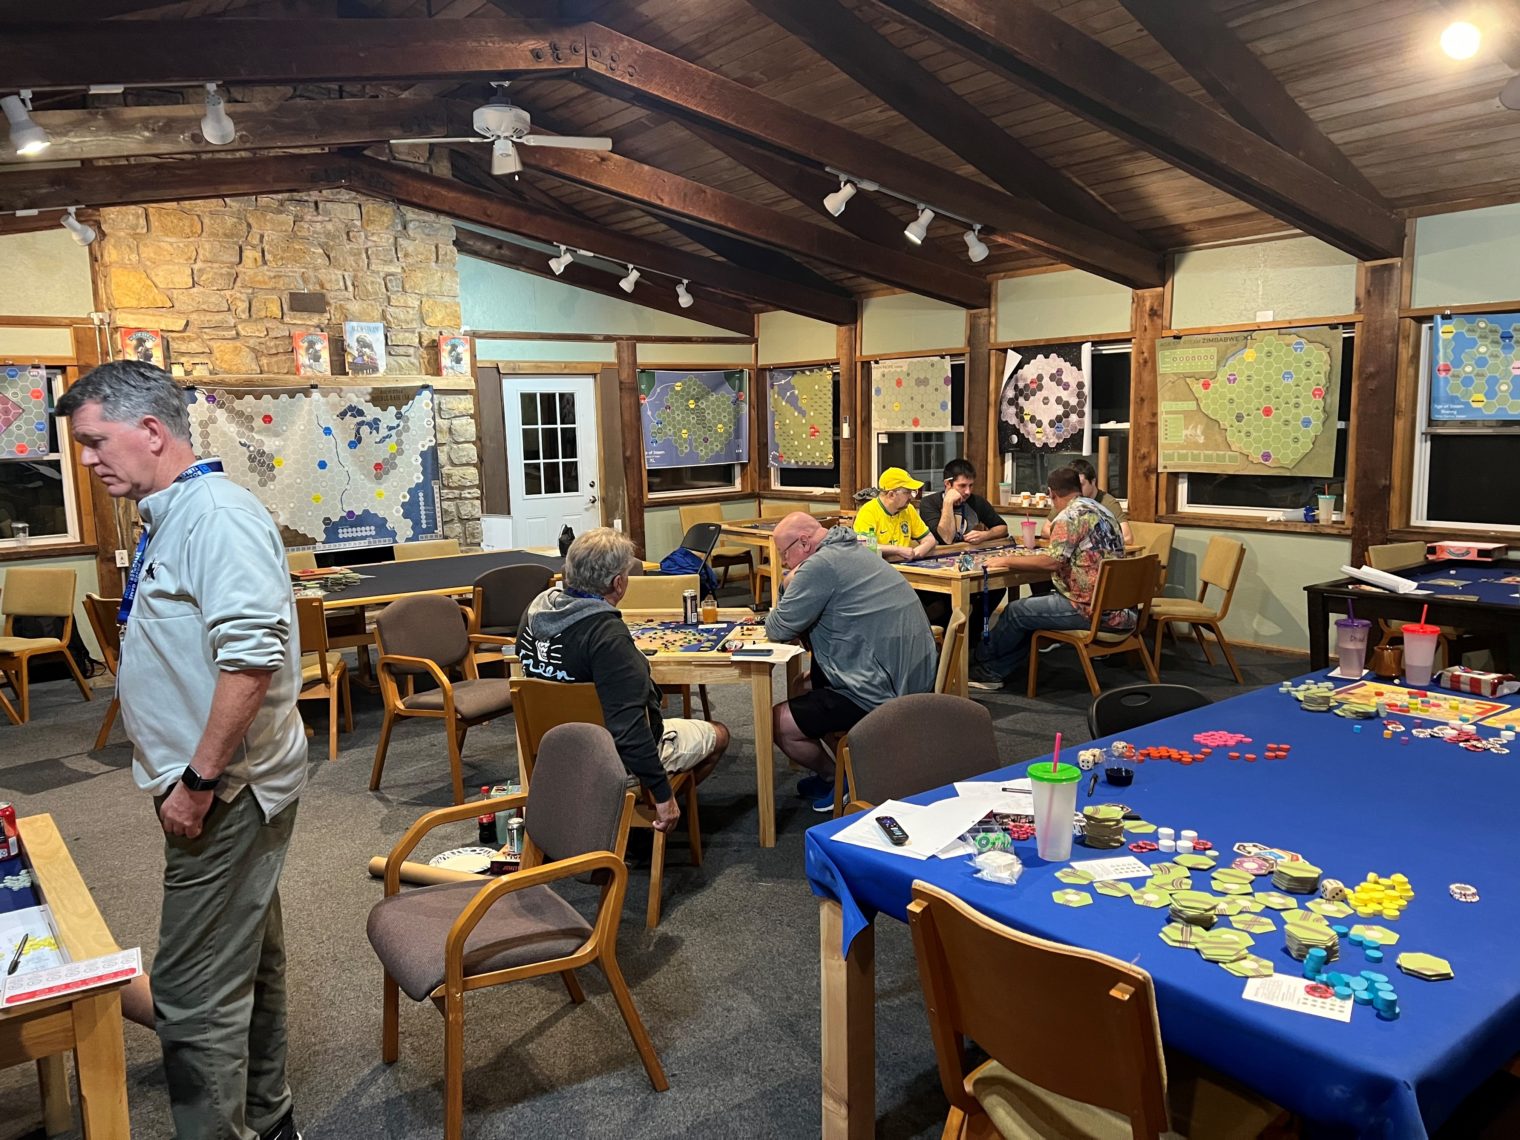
x,y
44,274
85,582
663,529
1059,306
787,337
1291,278
1467,258
906,322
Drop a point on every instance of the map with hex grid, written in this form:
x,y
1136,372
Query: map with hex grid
x,y
24,413
802,417
337,467
1261,402
1477,370
694,417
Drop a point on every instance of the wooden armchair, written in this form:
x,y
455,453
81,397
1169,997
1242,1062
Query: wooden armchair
x,y
324,673
1123,583
442,942
1222,560
101,613
425,636
910,745
663,592
500,597
36,591
425,548
542,706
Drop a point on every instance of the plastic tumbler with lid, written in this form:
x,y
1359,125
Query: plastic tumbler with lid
x,y
1420,642
1351,645
1030,529
1055,802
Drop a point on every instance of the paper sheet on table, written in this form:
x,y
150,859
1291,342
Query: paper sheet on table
x,y
1286,992
60,981
1012,797
1116,867
35,923
930,827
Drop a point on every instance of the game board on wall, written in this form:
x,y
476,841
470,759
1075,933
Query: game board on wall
x,y
694,417
1261,402
1046,398
911,395
802,417
1476,368
24,419
339,467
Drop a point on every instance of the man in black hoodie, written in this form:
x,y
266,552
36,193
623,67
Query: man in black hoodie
x,y
574,633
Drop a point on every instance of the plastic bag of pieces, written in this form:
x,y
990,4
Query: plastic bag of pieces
x,y
998,867
1473,681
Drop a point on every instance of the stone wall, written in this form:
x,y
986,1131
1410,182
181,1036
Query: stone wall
x,y
216,275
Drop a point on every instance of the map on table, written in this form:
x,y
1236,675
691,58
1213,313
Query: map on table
x,y
1508,719
678,637
911,395
337,467
1261,402
1430,704
1476,368
1046,397
976,558
694,417
25,397
802,417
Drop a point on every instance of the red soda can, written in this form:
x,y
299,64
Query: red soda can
x,y
10,834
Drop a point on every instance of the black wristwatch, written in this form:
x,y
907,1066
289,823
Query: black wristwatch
x,y
196,782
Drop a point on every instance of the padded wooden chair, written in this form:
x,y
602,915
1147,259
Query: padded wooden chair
x,y
664,592
542,706
445,941
427,548
952,650
299,560
723,557
43,592
501,596
1120,710
324,673
425,635
1123,583
1155,538
1221,569
912,744
1014,994
101,614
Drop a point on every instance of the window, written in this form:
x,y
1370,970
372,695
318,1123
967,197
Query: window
x,y
669,481
923,454
1464,470
1028,470
36,478
807,478
1274,496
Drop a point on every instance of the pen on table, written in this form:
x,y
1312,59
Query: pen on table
x,y
16,957
1092,785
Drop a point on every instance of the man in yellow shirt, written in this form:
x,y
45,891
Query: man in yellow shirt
x,y
901,535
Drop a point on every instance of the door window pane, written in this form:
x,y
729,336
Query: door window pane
x,y
551,443
529,403
546,408
530,443
566,408
567,442
572,477
551,479
533,483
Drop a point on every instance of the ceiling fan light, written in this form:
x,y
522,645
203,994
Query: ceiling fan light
x,y
836,202
627,283
976,248
918,228
81,233
1460,40
504,157
683,296
562,262
216,124
27,138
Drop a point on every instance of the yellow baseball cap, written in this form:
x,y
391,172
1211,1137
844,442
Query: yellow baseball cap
x,y
894,477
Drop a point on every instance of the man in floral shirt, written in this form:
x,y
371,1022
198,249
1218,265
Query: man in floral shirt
x,y
1082,535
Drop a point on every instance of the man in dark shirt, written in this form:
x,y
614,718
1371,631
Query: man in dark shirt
x,y
959,515
574,633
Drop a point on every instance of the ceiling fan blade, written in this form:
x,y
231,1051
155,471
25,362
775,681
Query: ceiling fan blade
x,y
1510,96
566,142
455,139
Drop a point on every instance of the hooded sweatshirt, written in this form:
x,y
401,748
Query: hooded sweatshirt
x,y
565,637
866,626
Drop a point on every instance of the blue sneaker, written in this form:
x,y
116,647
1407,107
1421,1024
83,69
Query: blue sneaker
x,y
983,678
811,787
824,804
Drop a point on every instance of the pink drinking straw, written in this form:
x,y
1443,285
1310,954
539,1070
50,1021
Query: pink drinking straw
x,y
1425,609
1055,755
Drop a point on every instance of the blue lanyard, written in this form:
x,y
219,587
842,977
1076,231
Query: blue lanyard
x,y
129,591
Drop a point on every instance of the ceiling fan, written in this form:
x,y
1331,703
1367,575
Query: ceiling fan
x,y
505,127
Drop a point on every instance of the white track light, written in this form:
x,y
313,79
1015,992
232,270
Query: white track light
x,y
628,282
82,233
27,138
504,157
918,229
976,249
683,296
836,202
216,124
561,263
1460,40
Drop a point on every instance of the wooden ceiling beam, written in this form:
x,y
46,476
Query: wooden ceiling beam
x,y
137,132
856,48
671,195
1021,41
583,276
454,199
629,68
1196,36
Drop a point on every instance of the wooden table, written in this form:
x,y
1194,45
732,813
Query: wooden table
x,y
452,576
761,534
88,1023
720,668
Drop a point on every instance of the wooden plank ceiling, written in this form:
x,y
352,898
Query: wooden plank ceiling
x,y
1420,130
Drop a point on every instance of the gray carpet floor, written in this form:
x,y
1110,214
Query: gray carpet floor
x,y
727,984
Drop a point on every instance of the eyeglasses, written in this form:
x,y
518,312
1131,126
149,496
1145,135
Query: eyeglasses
x,y
785,550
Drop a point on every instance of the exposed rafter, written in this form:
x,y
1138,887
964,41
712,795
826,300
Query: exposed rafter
x,y
135,183
1020,40
1198,38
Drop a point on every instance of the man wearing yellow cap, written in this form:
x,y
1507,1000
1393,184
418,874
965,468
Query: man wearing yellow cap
x,y
900,534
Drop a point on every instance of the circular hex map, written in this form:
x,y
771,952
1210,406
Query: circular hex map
x,y
1045,402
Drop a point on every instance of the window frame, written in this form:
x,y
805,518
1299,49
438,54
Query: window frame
x,y
74,479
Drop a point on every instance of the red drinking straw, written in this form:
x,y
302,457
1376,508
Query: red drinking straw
x,y
1425,609
1055,756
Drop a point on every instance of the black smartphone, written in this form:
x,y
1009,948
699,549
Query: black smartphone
x,y
893,829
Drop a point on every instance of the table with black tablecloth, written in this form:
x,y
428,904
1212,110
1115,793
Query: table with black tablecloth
x,y
1349,801
452,575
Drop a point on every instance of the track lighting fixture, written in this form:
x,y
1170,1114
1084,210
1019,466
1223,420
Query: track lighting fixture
x,y
976,249
627,283
27,138
82,233
918,228
836,202
683,296
560,263
504,157
216,124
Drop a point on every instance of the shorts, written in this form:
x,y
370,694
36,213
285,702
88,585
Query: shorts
x,y
822,710
686,743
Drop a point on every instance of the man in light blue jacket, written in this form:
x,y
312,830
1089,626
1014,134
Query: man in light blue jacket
x,y
210,669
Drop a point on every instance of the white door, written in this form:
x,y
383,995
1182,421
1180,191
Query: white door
x,y
551,456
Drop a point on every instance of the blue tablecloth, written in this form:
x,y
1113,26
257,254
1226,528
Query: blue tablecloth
x,y
17,890
1349,802
1485,580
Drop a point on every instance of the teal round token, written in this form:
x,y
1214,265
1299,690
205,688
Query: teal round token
x,y
1343,992
1374,956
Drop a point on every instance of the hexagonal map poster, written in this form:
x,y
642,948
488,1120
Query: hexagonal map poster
x,y
337,467
1260,402
802,417
1046,397
694,417
911,395
25,413
1475,368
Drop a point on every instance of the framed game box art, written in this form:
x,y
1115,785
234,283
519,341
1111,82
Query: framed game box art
x,y
456,355
312,354
364,347
146,345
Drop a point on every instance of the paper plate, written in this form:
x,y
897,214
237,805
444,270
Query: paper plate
x,y
476,860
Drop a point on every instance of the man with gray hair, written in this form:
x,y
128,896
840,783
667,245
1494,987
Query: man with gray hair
x,y
210,668
574,633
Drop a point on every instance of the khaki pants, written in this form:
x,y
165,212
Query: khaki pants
x,y
219,974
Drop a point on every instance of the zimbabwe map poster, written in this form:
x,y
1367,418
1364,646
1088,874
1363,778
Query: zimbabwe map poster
x,y
802,417
1261,402
1046,399
1475,368
694,417
911,395
337,467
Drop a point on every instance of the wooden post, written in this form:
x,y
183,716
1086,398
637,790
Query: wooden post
x,y
1101,463
633,440
1375,375
1147,318
849,404
979,393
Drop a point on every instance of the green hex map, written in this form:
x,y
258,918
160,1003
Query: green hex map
x,y
802,417
1259,402
694,417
